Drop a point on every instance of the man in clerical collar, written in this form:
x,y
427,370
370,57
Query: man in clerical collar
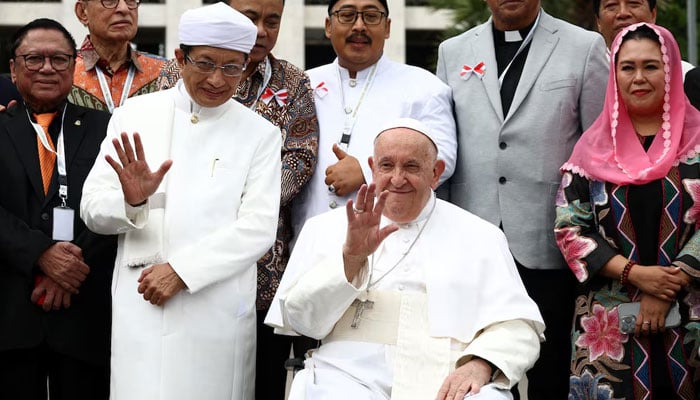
x,y
411,297
55,274
109,69
525,85
612,16
185,277
360,90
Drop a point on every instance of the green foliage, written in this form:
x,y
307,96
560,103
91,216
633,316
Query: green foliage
x,y
468,13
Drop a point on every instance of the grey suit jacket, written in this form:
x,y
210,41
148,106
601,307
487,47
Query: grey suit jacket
x,y
508,166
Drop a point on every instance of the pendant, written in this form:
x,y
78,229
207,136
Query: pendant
x,y
194,118
348,110
352,82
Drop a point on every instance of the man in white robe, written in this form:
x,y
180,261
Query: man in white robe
x,y
412,297
359,91
190,233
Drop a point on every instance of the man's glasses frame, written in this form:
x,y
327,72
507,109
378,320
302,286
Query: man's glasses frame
x,y
112,4
369,17
208,67
35,62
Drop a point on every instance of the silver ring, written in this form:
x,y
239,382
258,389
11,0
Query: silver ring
x,y
331,188
646,323
357,210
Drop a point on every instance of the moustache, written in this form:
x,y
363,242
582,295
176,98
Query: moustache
x,y
359,36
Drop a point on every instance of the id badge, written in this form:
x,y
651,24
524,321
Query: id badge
x,y
63,223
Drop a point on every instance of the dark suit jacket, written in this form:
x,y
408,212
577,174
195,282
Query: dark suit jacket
x,y
26,223
8,91
692,86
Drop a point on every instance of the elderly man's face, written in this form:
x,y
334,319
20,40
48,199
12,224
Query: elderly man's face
x,y
615,15
266,15
404,163
45,88
117,25
209,89
357,44
513,14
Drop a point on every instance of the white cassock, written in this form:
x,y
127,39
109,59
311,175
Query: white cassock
x,y
392,91
212,217
455,295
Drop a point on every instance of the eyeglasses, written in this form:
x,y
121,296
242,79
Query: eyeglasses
x,y
35,62
208,67
110,4
369,17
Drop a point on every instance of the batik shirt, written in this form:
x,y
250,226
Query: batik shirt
x,y
86,89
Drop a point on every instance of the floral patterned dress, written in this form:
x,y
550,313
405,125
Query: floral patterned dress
x,y
653,224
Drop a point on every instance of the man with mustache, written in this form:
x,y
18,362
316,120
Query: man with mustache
x,y
108,69
359,91
542,84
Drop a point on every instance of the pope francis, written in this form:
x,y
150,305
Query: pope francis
x,y
190,233
412,297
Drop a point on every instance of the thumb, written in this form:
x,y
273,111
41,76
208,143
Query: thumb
x,y
339,153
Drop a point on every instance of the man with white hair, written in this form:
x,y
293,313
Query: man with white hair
x,y
411,296
190,233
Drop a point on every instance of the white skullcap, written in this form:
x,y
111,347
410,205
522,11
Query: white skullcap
x,y
409,123
217,25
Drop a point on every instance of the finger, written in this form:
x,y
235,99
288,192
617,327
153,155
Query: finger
x,y
72,249
49,301
339,153
66,300
140,155
69,284
164,168
128,150
362,197
381,202
370,197
115,165
120,151
145,273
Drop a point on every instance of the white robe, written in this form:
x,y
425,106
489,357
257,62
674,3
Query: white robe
x,y
397,90
221,200
475,299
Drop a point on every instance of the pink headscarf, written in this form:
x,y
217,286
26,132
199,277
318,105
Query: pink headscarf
x,y
610,151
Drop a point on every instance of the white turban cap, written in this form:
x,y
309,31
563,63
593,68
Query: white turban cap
x,y
217,25
409,123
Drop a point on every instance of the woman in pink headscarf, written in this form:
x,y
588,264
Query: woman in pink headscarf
x,y
628,211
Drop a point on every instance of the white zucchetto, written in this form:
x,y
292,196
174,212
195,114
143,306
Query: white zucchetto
x,y
409,123
217,25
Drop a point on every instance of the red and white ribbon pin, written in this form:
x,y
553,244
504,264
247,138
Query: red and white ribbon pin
x,y
280,96
478,70
321,90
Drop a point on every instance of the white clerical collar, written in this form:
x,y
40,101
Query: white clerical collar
x,y
513,36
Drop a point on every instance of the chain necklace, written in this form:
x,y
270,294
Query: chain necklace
x,y
403,256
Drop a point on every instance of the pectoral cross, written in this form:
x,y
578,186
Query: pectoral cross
x,y
360,307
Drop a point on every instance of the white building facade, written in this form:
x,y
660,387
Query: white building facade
x,y
301,30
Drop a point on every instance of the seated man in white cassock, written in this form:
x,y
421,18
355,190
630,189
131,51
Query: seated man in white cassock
x,y
411,297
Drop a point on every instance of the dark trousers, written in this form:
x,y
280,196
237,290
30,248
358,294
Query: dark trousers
x,y
554,293
24,375
272,352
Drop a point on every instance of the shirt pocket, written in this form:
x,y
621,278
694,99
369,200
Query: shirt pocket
x,y
558,84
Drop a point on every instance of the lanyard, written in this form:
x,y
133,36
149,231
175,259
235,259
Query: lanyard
x,y
105,88
524,44
60,156
351,115
265,82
